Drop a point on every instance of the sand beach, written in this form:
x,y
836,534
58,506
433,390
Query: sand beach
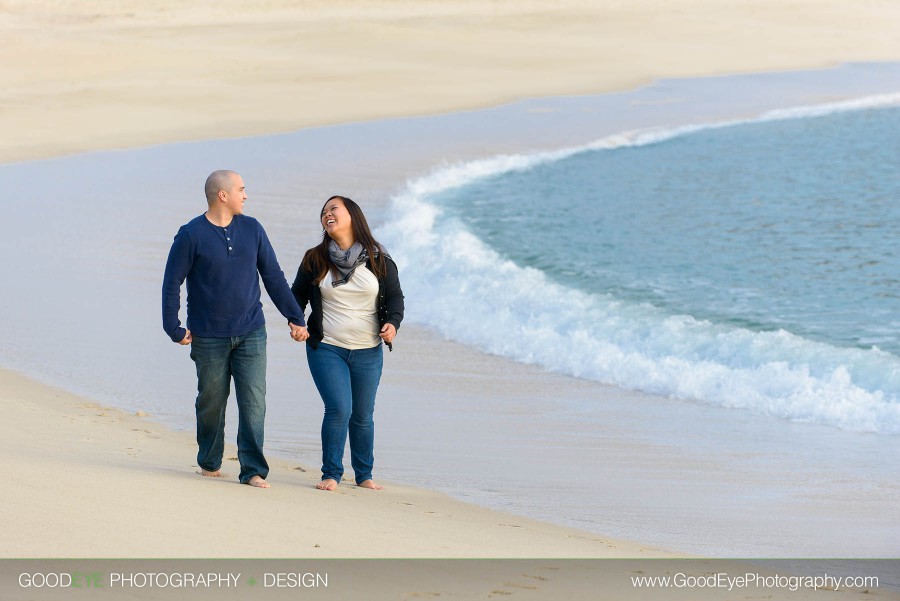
x,y
95,75
91,478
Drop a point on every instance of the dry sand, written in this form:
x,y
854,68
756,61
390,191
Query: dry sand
x,y
84,480
96,74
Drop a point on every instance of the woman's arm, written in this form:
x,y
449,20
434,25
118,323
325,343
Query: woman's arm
x,y
393,294
302,287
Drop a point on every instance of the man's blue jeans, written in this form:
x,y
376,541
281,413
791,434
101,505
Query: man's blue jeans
x,y
217,361
347,381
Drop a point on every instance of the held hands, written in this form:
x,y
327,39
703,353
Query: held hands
x,y
298,333
187,338
388,332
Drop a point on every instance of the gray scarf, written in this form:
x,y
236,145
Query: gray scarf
x,y
346,261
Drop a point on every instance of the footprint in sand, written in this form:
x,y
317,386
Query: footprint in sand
x,y
524,586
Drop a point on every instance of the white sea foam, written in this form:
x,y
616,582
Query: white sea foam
x,y
458,285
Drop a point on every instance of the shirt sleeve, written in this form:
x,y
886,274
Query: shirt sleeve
x,y
302,287
178,265
274,281
393,294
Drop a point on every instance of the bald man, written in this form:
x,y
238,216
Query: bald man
x,y
223,254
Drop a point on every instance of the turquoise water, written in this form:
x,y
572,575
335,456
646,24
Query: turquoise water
x,y
747,264
780,225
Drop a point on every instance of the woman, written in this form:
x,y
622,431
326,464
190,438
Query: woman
x,y
353,290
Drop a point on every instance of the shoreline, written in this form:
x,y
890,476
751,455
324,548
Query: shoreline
x,y
90,78
643,457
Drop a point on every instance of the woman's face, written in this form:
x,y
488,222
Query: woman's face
x,y
336,219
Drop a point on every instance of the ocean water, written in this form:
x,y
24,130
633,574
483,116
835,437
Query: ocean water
x,y
749,264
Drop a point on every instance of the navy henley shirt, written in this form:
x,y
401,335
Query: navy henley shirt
x,y
223,266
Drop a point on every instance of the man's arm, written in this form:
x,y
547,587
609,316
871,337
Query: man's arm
x,y
177,267
276,284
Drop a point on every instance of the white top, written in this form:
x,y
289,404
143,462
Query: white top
x,y
350,311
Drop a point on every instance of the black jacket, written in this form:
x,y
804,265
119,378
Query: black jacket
x,y
390,299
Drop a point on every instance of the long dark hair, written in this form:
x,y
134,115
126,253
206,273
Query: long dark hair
x,y
317,259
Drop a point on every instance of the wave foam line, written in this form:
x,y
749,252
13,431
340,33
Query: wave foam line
x,y
459,286
454,176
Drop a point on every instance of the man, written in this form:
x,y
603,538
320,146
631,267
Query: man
x,y
222,254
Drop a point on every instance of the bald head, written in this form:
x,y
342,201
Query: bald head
x,y
217,181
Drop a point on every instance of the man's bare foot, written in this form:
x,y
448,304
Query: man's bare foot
x,y
370,484
258,482
209,474
327,484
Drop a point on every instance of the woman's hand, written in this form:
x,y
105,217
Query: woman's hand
x,y
388,332
298,333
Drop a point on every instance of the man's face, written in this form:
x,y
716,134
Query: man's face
x,y
235,195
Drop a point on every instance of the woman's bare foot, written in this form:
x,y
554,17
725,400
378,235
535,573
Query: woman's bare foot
x,y
327,484
209,474
370,484
258,482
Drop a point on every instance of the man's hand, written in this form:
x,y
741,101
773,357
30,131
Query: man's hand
x,y
187,338
298,333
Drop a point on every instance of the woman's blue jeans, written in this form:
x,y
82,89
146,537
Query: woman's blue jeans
x,y
217,361
347,381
